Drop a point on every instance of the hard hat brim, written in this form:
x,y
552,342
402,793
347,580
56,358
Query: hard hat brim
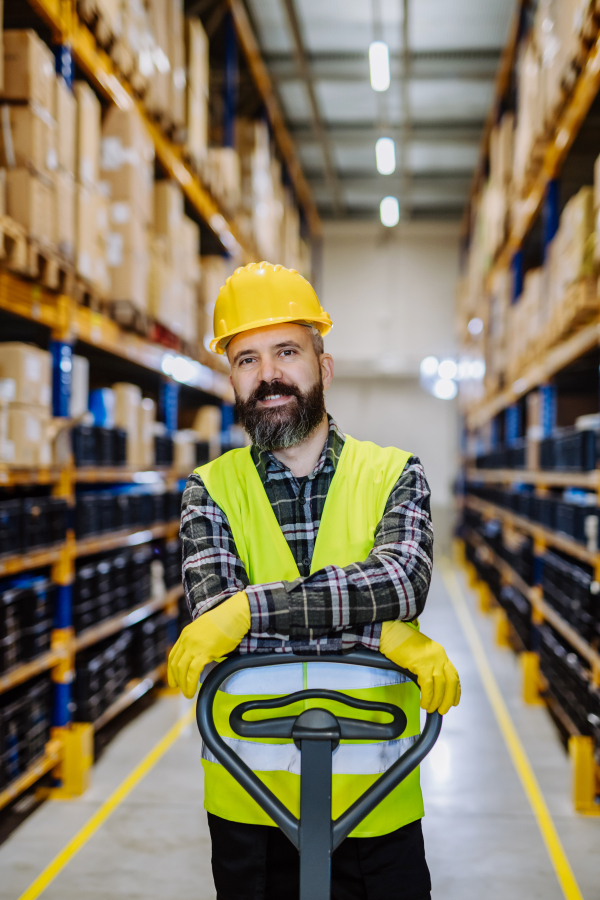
x,y
322,323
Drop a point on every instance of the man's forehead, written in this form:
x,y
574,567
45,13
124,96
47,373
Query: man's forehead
x,y
269,336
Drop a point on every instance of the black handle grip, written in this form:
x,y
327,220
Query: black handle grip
x,y
265,798
350,729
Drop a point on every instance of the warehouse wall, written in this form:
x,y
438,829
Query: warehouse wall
x,y
391,297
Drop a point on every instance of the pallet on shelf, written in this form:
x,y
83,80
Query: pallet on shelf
x,y
13,245
48,267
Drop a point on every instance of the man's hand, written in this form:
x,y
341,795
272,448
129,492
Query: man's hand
x,y
212,635
413,650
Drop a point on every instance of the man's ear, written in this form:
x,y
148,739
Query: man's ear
x,y
326,363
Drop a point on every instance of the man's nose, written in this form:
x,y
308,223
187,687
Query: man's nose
x,y
269,370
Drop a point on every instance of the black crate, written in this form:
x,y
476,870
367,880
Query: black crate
x,y
84,445
120,446
87,519
104,443
11,539
202,453
173,505
163,450
25,718
35,522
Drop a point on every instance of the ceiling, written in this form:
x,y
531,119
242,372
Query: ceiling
x,y
440,93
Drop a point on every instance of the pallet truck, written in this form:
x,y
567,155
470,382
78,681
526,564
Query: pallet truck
x,y
316,732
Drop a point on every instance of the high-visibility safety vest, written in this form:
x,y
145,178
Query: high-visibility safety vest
x,y
354,506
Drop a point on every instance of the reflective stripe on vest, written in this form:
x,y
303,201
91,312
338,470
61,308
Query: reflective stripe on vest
x,y
348,759
354,506
291,678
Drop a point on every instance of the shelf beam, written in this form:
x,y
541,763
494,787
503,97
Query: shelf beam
x,y
540,477
135,689
546,612
50,759
548,537
125,620
23,672
121,539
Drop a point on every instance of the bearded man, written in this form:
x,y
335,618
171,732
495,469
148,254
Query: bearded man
x,y
310,542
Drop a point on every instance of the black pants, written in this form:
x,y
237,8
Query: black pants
x,y
257,862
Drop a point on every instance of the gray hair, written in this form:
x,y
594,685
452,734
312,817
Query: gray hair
x,y
317,341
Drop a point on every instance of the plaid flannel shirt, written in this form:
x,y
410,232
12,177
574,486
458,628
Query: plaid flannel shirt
x,y
334,609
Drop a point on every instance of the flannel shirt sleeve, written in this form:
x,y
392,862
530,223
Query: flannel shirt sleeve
x,y
392,583
211,568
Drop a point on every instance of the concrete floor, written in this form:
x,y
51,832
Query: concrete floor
x,y
481,837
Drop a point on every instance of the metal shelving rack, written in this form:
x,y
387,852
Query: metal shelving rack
x,y
566,351
69,322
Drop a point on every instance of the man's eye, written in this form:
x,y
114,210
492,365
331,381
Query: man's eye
x,y
247,360
288,352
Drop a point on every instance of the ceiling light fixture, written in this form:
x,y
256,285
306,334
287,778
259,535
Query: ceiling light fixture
x,y
379,65
385,154
389,210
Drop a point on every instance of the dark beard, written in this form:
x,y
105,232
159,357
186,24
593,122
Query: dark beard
x,y
280,427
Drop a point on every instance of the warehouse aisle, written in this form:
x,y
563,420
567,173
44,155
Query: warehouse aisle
x,y
481,836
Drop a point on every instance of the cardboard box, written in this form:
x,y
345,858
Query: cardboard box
x,y
128,399
189,241
177,82
160,279
128,262
156,99
80,376
127,160
30,368
168,207
65,213
87,134
28,138
65,109
85,231
28,431
28,69
197,91
145,442
30,200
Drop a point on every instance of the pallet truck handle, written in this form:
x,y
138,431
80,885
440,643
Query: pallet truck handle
x,y
274,808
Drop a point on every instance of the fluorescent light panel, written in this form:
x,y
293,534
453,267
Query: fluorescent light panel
x,y
385,154
389,210
379,65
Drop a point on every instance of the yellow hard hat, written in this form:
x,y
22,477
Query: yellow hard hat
x,y
261,294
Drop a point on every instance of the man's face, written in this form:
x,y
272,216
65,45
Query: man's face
x,y
278,381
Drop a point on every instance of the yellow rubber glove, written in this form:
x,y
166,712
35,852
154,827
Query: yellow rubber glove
x,y
212,635
413,650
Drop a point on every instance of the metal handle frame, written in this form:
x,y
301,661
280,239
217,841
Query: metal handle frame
x,y
289,823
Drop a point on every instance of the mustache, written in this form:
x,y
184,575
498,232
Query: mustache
x,y
265,389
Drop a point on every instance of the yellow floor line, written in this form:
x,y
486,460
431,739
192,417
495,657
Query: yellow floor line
x,y
108,807
558,857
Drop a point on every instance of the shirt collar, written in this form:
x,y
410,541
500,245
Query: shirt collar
x,y
267,464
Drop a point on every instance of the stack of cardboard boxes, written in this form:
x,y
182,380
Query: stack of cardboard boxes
x,y
175,263
28,136
197,92
25,405
89,204
127,171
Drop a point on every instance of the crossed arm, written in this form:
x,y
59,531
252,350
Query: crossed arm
x,y
368,603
